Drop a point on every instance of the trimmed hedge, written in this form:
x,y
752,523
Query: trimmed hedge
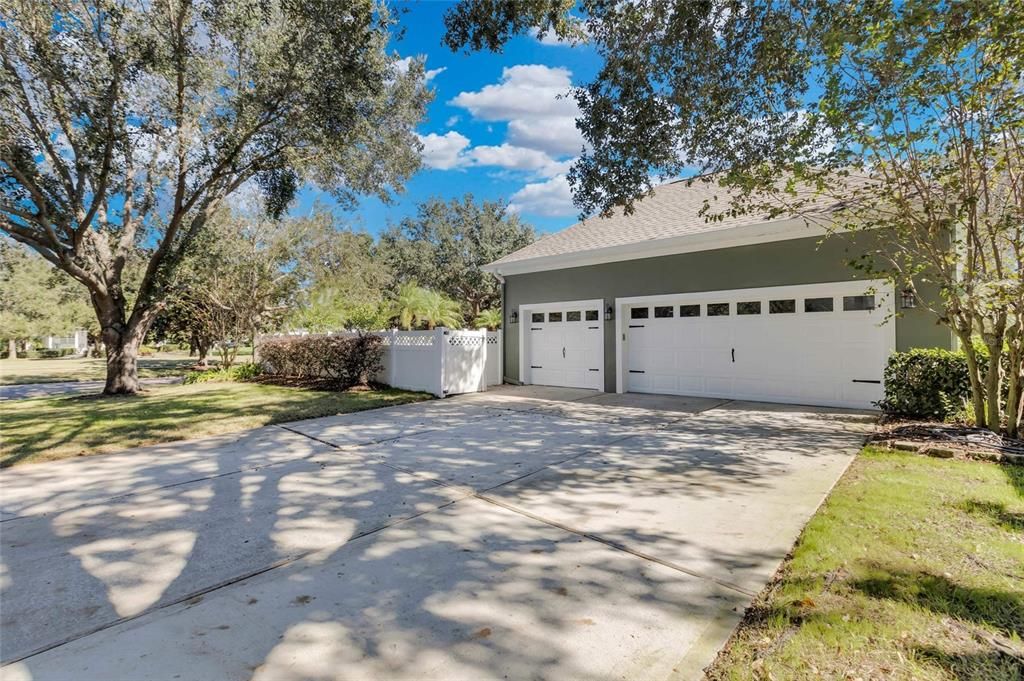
x,y
925,383
349,360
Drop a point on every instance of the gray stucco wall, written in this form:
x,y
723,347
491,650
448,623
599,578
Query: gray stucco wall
x,y
795,261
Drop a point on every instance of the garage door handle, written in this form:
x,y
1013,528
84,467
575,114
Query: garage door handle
x,y
635,371
563,353
636,326
864,380
536,328
534,366
734,354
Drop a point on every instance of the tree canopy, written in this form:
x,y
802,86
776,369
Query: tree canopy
x,y
444,246
127,123
37,300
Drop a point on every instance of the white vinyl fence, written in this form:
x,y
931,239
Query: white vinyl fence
x,y
442,362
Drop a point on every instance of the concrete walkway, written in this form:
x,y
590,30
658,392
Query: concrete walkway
x,y
24,391
519,533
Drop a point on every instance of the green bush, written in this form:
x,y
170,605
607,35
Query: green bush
x,y
239,372
925,383
43,353
348,360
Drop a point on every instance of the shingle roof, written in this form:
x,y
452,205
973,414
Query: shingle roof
x,y
673,210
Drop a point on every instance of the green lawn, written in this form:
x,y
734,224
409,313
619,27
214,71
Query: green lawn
x,y
57,428
17,371
913,569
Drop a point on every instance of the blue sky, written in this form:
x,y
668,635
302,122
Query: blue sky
x,y
496,127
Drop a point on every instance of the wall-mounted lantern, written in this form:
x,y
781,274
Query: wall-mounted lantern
x,y
907,299
609,314
513,318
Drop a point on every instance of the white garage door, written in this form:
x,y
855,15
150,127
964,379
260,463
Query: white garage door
x,y
564,346
822,344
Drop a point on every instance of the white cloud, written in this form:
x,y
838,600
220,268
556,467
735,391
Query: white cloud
x,y
551,198
555,136
519,158
549,38
536,101
444,151
525,91
402,66
452,120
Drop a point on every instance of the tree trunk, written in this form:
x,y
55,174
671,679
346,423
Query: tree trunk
x,y
122,362
12,349
974,373
122,337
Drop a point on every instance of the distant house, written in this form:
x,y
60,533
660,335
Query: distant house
x,y
664,301
78,341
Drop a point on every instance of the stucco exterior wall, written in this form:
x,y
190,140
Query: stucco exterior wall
x,y
781,263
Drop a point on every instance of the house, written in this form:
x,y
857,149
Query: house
x,y
77,341
665,301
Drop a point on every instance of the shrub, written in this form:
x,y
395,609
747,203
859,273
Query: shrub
x,y
239,372
925,383
53,354
349,360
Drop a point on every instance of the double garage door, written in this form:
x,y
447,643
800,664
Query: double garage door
x,y
823,344
819,344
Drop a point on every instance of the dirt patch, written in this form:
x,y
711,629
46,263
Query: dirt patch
x,y
308,383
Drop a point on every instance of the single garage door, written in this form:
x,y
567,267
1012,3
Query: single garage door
x,y
822,344
564,346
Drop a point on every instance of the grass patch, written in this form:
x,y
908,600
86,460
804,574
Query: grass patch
x,y
57,428
912,569
21,371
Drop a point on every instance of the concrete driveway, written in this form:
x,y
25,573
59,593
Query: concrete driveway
x,y
519,533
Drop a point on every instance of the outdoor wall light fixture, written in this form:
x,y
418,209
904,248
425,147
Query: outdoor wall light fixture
x,y
907,299
513,318
609,314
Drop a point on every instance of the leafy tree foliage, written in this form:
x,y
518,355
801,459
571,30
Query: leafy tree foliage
x,y
126,124
444,246
904,119
240,279
418,306
36,299
343,279
488,319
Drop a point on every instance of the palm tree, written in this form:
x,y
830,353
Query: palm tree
x,y
488,319
440,310
408,305
415,305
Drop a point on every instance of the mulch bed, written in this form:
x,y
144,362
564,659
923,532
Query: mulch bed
x,y
948,440
308,383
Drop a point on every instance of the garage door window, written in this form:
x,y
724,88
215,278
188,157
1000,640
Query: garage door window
x,y
781,306
663,311
751,307
689,310
554,316
817,305
856,303
592,315
718,309
638,313
573,316
537,317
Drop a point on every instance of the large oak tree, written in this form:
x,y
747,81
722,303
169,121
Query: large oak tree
x,y
126,123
